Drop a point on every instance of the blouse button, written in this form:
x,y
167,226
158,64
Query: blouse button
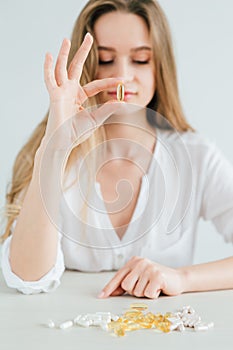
x,y
119,260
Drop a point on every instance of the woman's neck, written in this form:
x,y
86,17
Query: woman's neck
x,y
125,133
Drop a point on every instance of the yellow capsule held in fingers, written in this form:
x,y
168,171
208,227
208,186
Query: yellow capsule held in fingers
x,y
120,92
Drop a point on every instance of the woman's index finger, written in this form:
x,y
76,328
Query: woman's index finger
x,y
98,85
114,283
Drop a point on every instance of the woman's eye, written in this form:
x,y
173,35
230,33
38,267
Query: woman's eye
x,y
141,62
105,62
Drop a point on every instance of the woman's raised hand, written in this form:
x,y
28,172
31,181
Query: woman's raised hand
x,y
67,95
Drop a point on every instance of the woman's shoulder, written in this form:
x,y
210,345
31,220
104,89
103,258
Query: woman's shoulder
x,y
191,140
189,146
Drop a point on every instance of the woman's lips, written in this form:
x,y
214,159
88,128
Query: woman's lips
x,y
127,94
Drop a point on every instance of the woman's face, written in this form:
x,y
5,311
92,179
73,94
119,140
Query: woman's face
x,y
125,50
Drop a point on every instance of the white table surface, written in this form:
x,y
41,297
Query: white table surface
x,y
22,318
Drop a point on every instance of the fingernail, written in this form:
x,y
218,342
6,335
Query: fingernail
x,y
101,294
88,33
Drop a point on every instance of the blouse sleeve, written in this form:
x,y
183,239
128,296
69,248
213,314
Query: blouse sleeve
x,y
217,201
47,283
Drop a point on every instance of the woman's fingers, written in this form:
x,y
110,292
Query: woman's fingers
x,y
114,283
130,281
99,85
158,293
104,112
155,285
117,292
141,286
84,122
49,77
152,294
61,64
76,65
137,279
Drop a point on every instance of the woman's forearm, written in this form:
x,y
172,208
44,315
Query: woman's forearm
x,y
34,243
208,276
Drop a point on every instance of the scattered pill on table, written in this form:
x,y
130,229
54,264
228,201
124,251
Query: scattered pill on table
x,y
66,324
138,317
50,324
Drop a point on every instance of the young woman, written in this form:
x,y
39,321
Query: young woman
x,y
137,177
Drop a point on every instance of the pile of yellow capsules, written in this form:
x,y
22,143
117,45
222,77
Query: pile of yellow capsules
x,y
135,318
138,317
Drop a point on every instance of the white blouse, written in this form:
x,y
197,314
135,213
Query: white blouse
x,y
187,178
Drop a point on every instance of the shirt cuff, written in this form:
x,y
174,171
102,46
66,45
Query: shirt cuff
x,y
47,283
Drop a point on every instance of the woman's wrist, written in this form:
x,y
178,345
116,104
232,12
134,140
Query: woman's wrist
x,y
185,277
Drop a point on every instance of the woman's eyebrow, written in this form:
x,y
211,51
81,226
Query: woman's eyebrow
x,y
136,49
147,48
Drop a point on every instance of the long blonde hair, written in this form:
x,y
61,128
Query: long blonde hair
x,y
165,101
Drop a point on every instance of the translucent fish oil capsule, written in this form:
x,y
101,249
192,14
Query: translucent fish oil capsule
x,y
120,331
120,92
139,306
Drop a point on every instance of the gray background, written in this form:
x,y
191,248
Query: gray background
x,y
202,35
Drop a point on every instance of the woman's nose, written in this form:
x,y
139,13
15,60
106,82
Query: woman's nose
x,y
124,70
